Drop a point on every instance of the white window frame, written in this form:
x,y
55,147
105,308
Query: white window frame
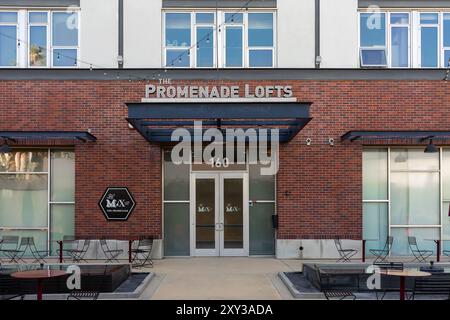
x,y
389,39
52,47
420,26
18,47
445,64
219,39
374,48
48,26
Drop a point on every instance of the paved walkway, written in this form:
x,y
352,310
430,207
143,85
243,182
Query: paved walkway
x,y
219,278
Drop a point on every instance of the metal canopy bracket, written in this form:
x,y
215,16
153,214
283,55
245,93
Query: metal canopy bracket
x,y
157,121
47,135
385,135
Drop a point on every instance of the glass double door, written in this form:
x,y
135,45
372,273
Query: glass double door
x,y
219,214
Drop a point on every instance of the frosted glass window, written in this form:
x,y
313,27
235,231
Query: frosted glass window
x,y
40,237
446,226
176,180
261,187
65,29
63,176
23,200
375,174
178,29
260,29
375,225
8,46
262,233
62,223
414,198
176,229
400,246
413,159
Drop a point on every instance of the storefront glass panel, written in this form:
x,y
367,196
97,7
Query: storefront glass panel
x,y
375,225
400,246
176,229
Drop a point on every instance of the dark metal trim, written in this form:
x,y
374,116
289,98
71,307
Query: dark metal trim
x,y
47,135
199,4
385,135
405,3
39,3
156,121
223,74
121,31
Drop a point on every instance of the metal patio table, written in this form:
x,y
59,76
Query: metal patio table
x,y
438,247
40,276
403,274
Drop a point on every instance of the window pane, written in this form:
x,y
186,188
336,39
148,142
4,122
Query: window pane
x,y
8,17
373,57
446,226
65,57
261,187
262,233
205,18
400,245
63,176
399,18
429,49
261,58
447,30
176,179
415,198
234,47
38,17
260,29
65,29
62,223
373,29
429,18
375,225
234,18
375,174
177,58
178,29
400,36
205,47
447,58
413,159
24,161
176,229
8,46
446,174
38,45
23,200
40,237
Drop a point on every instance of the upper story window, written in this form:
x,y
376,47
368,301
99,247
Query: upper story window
x,y
405,39
39,39
229,40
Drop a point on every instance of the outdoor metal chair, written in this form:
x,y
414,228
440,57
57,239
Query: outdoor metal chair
x,y
446,253
110,254
69,246
142,255
345,254
8,246
387,266
16,255
38,255
82,294
437,284
419,255
79,254
329,292
382,254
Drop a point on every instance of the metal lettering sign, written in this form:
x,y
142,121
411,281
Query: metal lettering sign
x,y
117,203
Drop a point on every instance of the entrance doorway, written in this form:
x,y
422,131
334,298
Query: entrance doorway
x,y
219,214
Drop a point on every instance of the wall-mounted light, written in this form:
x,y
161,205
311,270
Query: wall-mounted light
x,y
308,141
331,141
5,148
431,148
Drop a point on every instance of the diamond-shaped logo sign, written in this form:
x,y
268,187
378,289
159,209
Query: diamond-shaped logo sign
x,y
117,203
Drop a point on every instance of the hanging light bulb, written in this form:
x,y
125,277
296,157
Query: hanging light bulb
x,y
207,40
57,57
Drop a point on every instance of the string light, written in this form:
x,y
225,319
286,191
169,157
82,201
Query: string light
x,y
447,73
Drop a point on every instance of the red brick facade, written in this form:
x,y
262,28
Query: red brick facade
x,y
319,186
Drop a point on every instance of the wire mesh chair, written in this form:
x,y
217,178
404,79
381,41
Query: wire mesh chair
x,y
69,246
78,255
382,254
419,255
345,254
327,290
110,254
437,284
446,253
17,255
8,247
84,294
38,255
142,254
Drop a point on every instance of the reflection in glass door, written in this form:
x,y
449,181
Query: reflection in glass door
x,y
219,214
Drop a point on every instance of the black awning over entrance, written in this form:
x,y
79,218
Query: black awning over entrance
x,y
156,121
47,135
387,135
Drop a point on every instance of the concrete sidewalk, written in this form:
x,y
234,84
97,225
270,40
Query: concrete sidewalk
x,y
219,278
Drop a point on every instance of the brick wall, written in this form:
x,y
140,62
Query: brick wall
x,y
319,186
